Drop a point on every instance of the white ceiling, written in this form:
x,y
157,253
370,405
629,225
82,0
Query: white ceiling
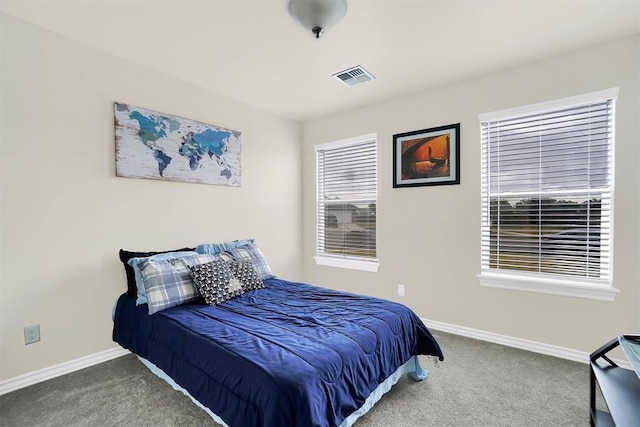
x,y
253,51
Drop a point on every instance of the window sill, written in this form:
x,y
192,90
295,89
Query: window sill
x,y
352,264
553,286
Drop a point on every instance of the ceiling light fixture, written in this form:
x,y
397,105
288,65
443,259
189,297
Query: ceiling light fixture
x,y
318,16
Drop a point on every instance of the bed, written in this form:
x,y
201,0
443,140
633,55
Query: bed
x,y
288,354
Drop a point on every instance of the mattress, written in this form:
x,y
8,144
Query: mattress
x,y
290,354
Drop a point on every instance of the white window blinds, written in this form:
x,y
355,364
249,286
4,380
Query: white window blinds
x,y
347,198
547,189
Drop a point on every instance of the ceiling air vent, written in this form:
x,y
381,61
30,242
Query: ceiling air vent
x,y
354,76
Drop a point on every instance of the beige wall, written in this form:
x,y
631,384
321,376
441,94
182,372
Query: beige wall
x,y
429,237
65,214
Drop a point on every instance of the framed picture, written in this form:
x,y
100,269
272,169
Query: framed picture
x,y
156,145
427,157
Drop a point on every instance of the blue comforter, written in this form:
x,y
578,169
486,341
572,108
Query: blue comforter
x,y
287,355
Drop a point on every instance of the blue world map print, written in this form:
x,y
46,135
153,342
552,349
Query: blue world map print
x,y
161,146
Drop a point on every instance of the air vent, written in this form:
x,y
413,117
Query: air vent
x,y
354,76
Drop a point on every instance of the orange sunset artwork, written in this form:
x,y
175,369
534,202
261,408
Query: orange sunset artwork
x,y
426,157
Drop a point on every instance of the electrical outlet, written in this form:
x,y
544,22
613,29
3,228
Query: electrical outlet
x,y
401,290
31,334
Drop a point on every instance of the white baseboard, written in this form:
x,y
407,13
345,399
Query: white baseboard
x,y
534,346
35,377
40,375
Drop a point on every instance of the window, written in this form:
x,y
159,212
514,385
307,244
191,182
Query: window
x,y
347,196
547,197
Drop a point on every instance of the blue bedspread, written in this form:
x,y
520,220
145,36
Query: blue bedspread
x,y
287,355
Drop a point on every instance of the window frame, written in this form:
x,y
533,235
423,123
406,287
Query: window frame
x,y
343,261
548,283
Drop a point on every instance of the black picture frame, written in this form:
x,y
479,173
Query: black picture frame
x,y
427,157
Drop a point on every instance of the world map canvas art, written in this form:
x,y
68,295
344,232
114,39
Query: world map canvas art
x,y
161,146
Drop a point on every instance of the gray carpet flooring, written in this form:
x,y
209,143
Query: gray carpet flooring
x,y
478,384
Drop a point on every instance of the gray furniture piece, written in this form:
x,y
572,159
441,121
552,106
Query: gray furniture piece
x,y
620,387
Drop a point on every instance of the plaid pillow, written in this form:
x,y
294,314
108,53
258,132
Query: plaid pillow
x,y
214,248
215,282
224,256
134,263
248,276
125,256
167,282
252,253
